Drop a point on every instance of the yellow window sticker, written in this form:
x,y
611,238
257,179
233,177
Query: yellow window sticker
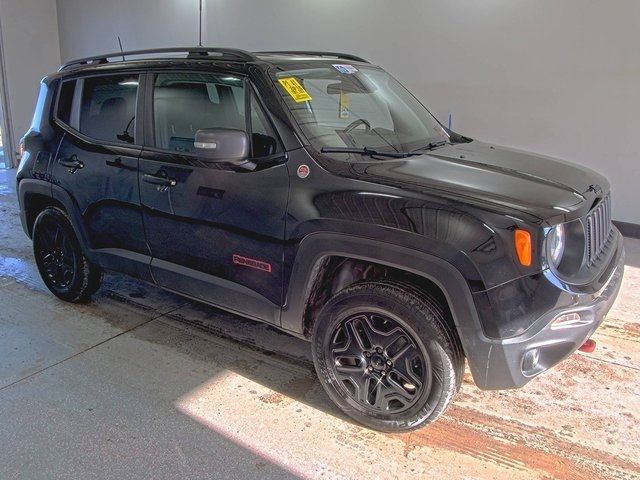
x,y
343,111
294,89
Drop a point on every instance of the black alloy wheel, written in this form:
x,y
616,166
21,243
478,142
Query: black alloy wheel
x,y
65,270
378,362
387,354
56,254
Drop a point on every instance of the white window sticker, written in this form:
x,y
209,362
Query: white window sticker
x,y
345,68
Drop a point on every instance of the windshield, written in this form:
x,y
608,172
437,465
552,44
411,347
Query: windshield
x,y
349,106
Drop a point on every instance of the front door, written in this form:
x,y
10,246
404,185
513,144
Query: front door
x,y
215,231
97,163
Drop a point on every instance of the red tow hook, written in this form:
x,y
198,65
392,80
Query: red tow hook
x,y
588,347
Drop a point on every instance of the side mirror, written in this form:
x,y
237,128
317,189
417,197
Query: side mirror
x,y
222,145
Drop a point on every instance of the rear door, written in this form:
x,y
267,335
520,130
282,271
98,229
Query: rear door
x,y
215,231
97,164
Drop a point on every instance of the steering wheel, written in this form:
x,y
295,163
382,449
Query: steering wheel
x,y
356,123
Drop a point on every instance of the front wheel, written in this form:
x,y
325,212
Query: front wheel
x,y
64,269
386,355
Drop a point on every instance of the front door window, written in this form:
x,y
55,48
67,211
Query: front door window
x,y
184,103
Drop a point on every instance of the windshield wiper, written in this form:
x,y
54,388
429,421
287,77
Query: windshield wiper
x,y
367,151
430,146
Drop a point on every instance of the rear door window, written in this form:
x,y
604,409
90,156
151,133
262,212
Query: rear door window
x,y
108,108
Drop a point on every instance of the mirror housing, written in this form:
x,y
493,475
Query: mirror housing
x,y
351,85
222,145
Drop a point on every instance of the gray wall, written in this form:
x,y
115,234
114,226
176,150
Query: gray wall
x,y
31,50
557,77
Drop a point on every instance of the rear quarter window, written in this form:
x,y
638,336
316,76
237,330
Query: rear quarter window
x,y
65,101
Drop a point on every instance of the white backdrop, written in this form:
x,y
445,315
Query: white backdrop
x,y
30,48
560,77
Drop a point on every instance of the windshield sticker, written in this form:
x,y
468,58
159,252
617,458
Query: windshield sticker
x,y
344,106
348,69
294,89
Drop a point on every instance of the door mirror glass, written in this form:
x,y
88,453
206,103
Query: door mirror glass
x,y
222,145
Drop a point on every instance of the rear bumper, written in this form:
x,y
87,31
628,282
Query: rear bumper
x,y
512,362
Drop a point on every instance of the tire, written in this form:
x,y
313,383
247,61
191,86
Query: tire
x,y
63,267
386,355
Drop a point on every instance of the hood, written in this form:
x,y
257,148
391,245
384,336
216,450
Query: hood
x,y
533,184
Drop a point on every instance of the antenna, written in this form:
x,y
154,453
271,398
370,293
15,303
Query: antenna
x,y
121,49
200,32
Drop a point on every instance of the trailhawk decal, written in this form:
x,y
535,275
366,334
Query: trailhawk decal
x,y
251,263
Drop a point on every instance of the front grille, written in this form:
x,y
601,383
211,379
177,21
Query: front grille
x,y
598,229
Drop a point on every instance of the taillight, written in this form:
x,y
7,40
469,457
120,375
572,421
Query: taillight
x,y
522,240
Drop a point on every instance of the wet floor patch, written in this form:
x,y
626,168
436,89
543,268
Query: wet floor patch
x,y
21,270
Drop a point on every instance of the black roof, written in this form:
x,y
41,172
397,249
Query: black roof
x,y
205,53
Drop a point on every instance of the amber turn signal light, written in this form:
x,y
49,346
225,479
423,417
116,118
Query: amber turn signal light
x,y
523,246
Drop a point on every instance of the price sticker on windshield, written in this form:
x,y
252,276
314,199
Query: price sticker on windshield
x,y
294,89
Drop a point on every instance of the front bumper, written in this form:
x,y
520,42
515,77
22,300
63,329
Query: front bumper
x,y
512,362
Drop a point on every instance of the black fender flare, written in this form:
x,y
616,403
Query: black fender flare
x,y
28,186
315,247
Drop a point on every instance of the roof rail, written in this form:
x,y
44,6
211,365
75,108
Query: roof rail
x,y
345,56
192,52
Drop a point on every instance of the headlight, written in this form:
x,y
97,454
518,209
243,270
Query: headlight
x,y
555,244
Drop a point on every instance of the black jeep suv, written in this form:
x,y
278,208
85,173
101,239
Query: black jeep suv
x,y
311,191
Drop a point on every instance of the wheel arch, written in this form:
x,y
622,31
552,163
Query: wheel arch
x,y
319,251
35,195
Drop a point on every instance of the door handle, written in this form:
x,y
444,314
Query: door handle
x,y
72,163
162,182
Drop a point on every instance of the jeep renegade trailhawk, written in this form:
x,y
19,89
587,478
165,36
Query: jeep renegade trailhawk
x,y
312,191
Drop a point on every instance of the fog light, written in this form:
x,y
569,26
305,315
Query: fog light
x,y
530,361
570,320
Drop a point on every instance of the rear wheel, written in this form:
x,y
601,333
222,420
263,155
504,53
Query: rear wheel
x,y
61,263
385,355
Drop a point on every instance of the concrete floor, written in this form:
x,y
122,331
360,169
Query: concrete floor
x,y
141,383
